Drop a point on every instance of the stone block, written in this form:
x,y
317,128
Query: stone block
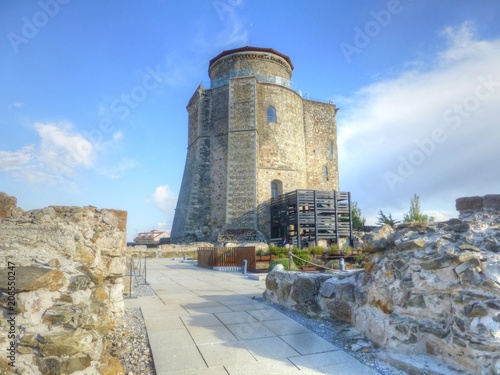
x,y
492,201
304,289
377,240
54,365
340,310
470,263
441,261
7,205
31,278
66,343
469,203
475,311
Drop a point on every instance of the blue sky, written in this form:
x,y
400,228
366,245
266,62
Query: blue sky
x,y
93,95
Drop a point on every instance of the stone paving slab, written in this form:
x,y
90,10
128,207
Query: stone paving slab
x,y
270,347
287,326
226,354
201,320
235,317
211,323
211,334
320,360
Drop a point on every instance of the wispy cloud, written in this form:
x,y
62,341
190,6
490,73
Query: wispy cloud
x,y
232,33
61,152
117,170
17,105
62,149
430,130
16,160
164,199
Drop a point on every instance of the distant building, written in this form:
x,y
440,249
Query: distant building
x,y
251,137
151,237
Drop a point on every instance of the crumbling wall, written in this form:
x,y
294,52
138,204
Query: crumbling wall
x,y
427,289
63,268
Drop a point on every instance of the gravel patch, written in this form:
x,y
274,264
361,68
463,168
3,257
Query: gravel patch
x,y
344,336
129,340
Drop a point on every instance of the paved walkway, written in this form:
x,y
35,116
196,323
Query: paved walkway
x,y
204,322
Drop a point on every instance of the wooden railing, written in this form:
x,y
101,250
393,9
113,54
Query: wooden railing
x,y
211,257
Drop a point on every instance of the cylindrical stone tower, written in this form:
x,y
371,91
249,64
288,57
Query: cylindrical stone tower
x,y
251,137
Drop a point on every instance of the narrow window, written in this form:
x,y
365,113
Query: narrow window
x,y
325,172
331,149
271,114
276,188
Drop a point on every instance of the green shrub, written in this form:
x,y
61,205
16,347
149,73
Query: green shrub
x,y
334,248
348,249
303,255
315,250
259,252
282,261
273,249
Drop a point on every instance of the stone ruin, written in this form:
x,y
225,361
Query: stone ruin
x,y
69,265
427,291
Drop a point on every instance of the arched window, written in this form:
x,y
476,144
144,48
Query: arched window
x,y
276,188
325,172
271,114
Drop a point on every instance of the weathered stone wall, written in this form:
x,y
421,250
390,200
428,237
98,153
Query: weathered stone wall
x,y
218,154
241,198
320,129
427,289
69,267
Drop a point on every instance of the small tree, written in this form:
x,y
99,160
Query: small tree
x,y
415,214
386,219
358,221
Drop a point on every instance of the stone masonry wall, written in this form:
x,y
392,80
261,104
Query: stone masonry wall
x,y
320,129
242,155
69,265
427,289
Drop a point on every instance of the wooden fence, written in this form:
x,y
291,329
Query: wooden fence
x,y
211,257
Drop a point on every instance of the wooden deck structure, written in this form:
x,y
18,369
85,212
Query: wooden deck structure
x,y
311,215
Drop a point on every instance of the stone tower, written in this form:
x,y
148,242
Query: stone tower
x,y
251,136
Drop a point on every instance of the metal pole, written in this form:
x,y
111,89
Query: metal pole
x,y
131,265
316,242
145,270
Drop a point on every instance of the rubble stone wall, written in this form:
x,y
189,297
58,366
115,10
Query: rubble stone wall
x,y
69,265
426,289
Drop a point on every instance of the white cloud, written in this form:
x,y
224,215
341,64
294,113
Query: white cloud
x,y
15,160
61,152
17,105
432,132
116,171
234,32
62,149
164,199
